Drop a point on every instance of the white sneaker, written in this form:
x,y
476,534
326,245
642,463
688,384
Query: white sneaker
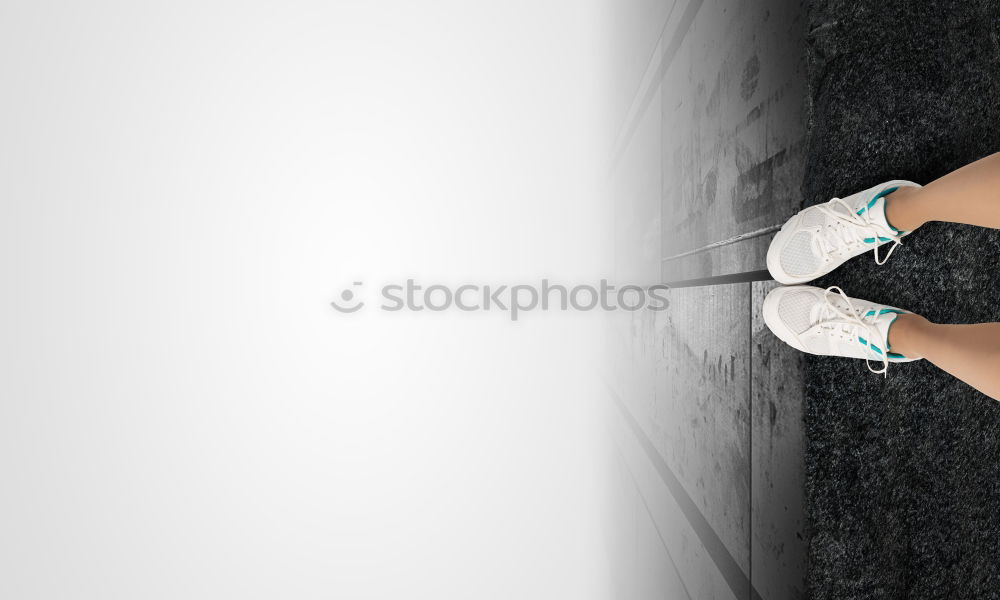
x,y
821,238
829,323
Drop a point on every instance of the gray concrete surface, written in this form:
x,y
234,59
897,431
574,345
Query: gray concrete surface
x,y
778,520
709,161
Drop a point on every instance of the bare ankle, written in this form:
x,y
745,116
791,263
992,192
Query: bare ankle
x,y
903,210
905,334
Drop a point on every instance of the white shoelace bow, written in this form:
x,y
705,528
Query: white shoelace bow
x,y
858,322
855,228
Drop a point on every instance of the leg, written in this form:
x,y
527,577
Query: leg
x,y
969,195
969,352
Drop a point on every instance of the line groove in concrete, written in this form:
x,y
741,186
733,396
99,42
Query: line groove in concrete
x,y
732,240
744,277
647,77
750,435
735,578
652,517
669,54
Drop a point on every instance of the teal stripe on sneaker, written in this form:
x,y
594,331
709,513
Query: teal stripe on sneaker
x,y
884,311
880,238
864,342
881,194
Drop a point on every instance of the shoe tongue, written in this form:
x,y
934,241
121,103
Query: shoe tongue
x,y
882,324
874,206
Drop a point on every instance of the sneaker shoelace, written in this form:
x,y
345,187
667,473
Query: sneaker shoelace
x,y
852,323
850,228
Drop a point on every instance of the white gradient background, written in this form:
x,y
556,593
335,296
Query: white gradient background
x,y
184,186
